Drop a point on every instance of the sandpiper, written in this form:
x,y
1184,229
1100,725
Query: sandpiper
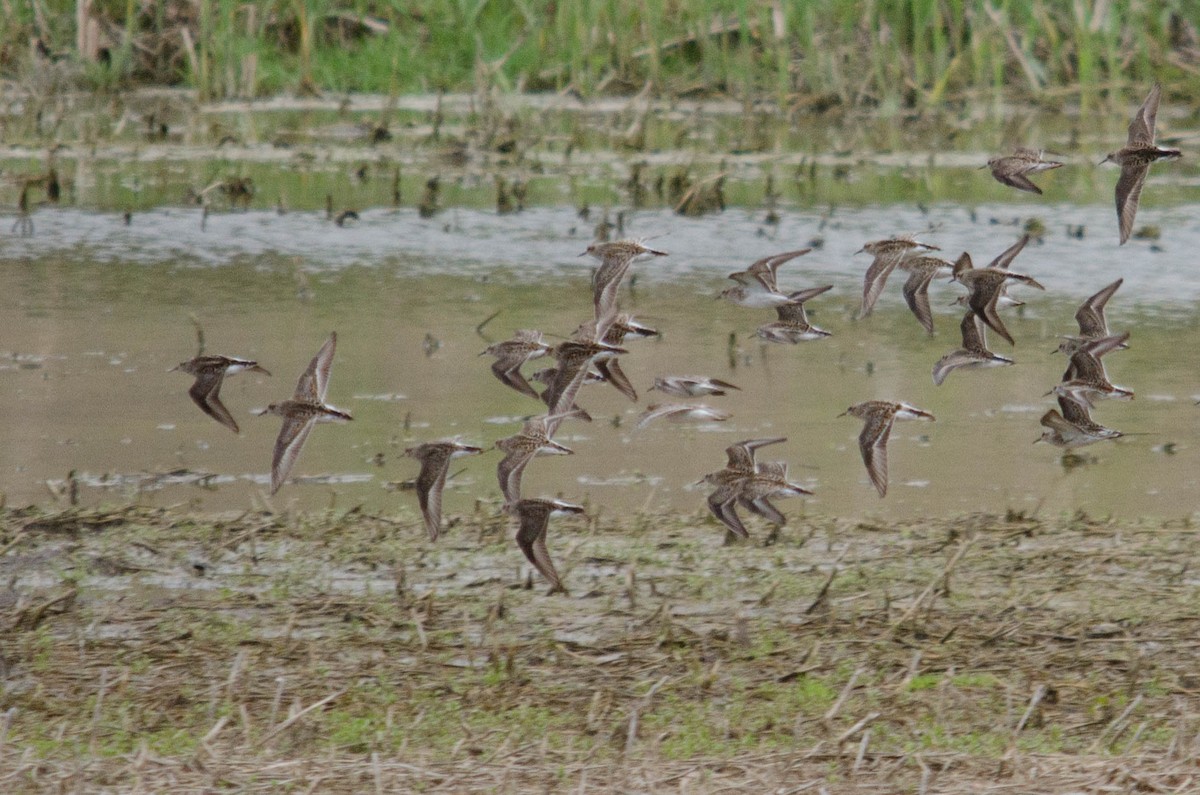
x,y
740,455
973,353
1092,322
1135,159
691,385
985,285
1085,379
877,417
511,354
921,271
534,516
610,367
793,326
766,270
615,259
722,502
210,372
887,255
730,481
757,286
521,448
680,412
1012,169
1074,427
1002,262
306,408
435,460
547,375
769,480
575,358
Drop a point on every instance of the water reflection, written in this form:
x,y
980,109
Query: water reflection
x,y
92,319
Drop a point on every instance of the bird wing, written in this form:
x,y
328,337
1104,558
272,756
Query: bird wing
x,y
792,312
1015,179
873,444
508,370
1090,314
974,334
1009,254
741,455
606,284
984,294
508,473
206,393
800,296
1055,422
723,504
916,295
613,374
876,277
560,395
1141,129
314,383
949,363
653,413
1074,412
1128,194
430,483
287,448
531,538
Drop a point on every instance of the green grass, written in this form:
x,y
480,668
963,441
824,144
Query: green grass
x,y
880,54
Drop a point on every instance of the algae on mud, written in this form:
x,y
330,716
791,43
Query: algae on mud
x,y
150,648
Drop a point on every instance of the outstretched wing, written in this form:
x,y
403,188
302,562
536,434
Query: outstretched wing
x,y
531,538
873,444
206,393
314,383
430,483
287,448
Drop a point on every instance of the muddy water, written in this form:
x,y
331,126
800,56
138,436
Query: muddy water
x,y
94,312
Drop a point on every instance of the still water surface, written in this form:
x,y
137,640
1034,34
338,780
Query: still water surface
x,y
94,312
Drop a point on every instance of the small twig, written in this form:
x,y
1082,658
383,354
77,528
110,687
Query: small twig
x,y
824,592
199,334
932,587
1038,694
287,724
856,728
98,708
16,539
486,320
5,724
1120,719
841,699
862,749
215,730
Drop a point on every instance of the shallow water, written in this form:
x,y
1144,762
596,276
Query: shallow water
x,y
94,309
94,312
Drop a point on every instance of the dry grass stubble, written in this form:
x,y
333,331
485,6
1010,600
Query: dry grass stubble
x,y
149,649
